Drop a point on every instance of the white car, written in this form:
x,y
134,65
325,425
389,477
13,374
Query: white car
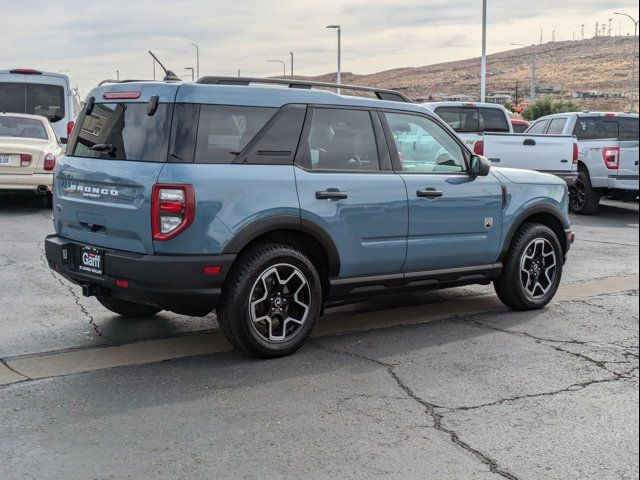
x,y
24,90
29,149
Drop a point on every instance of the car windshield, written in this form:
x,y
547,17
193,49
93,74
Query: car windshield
x,y
33,98
21,127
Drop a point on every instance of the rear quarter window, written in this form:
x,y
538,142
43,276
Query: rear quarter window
x,y
123,131
224,131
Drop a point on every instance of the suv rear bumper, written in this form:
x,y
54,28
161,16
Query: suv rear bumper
x,y
26,182
170,282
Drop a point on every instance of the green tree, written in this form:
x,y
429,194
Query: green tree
x,y
547,106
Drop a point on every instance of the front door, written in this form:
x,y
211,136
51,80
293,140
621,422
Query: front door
x,y
455,220
346,186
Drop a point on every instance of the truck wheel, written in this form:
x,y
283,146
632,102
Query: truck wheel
x,y
125,308
532,270
270,301
583,199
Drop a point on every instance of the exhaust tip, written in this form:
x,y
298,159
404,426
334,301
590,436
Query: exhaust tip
x,y
42,189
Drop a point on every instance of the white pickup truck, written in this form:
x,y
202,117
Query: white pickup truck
x,y
487,129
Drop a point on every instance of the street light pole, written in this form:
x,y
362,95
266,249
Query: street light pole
x,y
192,73
291,53
337,27
483,68
532,92
197,60
284,67
633,60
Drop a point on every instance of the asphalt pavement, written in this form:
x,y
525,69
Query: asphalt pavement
x,y
438,385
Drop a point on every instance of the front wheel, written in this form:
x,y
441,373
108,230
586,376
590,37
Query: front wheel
x,y
532,270
271,301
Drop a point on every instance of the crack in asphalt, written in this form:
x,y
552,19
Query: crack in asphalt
x,y
431,410
76,299
9,367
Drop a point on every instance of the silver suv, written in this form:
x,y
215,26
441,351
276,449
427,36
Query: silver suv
x,y
608,155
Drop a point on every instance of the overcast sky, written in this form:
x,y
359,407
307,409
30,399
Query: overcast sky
x,y
93,39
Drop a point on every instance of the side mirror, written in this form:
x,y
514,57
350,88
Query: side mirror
x,y
480,166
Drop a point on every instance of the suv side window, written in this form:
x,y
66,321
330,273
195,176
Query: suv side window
x,y
594,128
224,131
628,129
556,126
423,145
341,139
538,127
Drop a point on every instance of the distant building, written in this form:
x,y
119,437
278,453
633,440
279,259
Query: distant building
x,y
548,89
591,94
499,98
457,97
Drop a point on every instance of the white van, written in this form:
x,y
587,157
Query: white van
x,y
47,94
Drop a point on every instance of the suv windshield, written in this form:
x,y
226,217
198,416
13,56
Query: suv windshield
x,y
472,119
33,98
122,131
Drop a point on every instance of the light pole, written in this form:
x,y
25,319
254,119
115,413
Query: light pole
x,y
284,66
483,67
192,73
291,53
633,60
197,60
532,94
337,27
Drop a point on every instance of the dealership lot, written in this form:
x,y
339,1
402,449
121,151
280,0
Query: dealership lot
x,y
434,385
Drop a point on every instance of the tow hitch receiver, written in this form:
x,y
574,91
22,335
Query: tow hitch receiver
x,y
89,290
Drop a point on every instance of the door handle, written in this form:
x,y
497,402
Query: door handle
x,y
331,194
529,141
564,161
429,193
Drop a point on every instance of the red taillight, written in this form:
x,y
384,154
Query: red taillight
x,y
70,126
26,71
576,153
122,283
121,95
611,156
172,210
49,162
478,147
212,270
25,160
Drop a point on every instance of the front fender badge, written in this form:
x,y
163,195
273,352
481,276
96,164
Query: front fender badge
x,y
488,222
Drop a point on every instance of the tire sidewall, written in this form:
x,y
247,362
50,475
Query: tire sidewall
x,y
538,231
239,304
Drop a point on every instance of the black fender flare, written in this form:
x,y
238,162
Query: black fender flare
x,y
287,222
546,208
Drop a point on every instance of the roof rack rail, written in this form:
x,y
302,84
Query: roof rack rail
x,y
380,93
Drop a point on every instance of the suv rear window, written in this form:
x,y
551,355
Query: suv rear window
x,y
33,98
473,120
628,129
594,128
123,131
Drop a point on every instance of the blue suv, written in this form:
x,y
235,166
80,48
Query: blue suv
x,y
268,203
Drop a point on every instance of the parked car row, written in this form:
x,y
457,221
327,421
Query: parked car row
x,y
595,153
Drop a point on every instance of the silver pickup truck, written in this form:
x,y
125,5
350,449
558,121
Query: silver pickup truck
x,y
607,155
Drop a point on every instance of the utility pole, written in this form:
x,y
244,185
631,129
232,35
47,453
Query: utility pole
x,y
338,74
609,32
597,29
291,53
238,73
582,33
516,102
633,60
483,65
540,36
532,92
553,35
118,75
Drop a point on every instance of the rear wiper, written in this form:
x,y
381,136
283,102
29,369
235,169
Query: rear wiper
x,y
104,147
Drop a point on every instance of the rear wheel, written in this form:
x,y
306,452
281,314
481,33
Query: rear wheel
x,y
125,308
271,301
532,270
583,199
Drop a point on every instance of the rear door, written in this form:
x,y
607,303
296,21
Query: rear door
x,y
346,186
103,186
628,148
598,135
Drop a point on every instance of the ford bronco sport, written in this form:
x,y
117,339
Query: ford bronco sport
x,y
268,203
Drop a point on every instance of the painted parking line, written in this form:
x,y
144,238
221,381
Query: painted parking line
x,y
52,364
